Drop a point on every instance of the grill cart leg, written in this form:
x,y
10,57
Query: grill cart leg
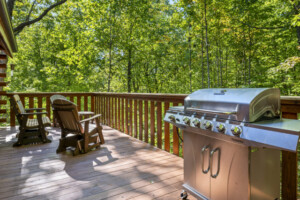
x,y
183,195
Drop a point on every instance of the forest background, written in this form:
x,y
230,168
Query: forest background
x,y
157,46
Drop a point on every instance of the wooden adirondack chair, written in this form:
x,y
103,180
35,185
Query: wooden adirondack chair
x,y
80,113
82,140
31,130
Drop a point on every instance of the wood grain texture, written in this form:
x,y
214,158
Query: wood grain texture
x,y
135,119
31,105
123,167
119,114
141,120
146,122
122,114
130,117
126,117
79,103
152,122
159,125
167,129
289,167
175,138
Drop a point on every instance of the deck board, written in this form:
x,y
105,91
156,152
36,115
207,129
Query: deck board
x,y
124,168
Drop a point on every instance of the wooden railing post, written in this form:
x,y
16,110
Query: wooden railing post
x,y
290,107
12,116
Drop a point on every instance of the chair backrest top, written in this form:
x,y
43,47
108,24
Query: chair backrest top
x,y
57,96
67,114
19,105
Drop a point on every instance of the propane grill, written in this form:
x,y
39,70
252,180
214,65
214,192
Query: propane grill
x,y
232,139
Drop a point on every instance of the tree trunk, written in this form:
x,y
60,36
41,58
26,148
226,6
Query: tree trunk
x,y
206,39
110,54
129,70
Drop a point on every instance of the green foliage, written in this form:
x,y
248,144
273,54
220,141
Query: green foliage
x,y
158,46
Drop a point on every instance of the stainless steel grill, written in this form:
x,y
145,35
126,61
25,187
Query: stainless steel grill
x,y
232,139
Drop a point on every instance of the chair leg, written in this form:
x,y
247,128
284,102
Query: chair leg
x,y
61,147
102,141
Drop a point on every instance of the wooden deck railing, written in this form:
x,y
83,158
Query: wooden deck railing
x,y
141,116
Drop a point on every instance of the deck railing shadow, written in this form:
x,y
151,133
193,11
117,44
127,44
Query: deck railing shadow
x,y
141,116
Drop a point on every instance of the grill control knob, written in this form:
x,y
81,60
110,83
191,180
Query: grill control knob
x,y
221,127
236,130
208,125
186,120
196,122
172,118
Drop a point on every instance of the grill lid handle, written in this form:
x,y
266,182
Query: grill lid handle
x,y
233,112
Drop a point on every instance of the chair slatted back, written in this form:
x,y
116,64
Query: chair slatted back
x,y
17,107
57,96
67,115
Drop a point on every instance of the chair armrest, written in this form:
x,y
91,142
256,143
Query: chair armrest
x,y
37,109
91,118
34,113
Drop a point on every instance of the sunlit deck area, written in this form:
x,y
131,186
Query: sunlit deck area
x,y
124,168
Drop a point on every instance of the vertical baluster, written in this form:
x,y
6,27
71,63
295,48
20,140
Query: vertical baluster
x,y
12,116
167,129
175,138
146,121
31,105
72,98
122,125
40,102
119,114
92,103
152,122
112,110
116,113
135,119
79,103
159,125
126,116
23,100
109,111
141,120
85,103
48,107
130,117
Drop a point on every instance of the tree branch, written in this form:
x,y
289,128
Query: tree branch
x,y
269,28
21,26
31,9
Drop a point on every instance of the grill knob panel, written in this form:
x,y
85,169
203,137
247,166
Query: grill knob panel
x,y
221,127
172,118
208,125
196,122
236,130
186,120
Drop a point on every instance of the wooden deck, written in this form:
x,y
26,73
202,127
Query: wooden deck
x,y
124,168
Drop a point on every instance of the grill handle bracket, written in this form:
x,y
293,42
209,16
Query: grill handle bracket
x,y
205,149
211,162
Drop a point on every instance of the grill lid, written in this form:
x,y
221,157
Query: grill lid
x,y
245,104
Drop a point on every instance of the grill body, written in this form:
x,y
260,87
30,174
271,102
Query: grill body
x,y
232,142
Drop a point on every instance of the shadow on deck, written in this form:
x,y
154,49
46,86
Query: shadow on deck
x,y
124,168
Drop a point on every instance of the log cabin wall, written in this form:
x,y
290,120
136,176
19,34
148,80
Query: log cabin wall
x,y
7,47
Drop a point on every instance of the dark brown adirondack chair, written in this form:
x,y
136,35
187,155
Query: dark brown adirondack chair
x,y
80,113
31,130
73,135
